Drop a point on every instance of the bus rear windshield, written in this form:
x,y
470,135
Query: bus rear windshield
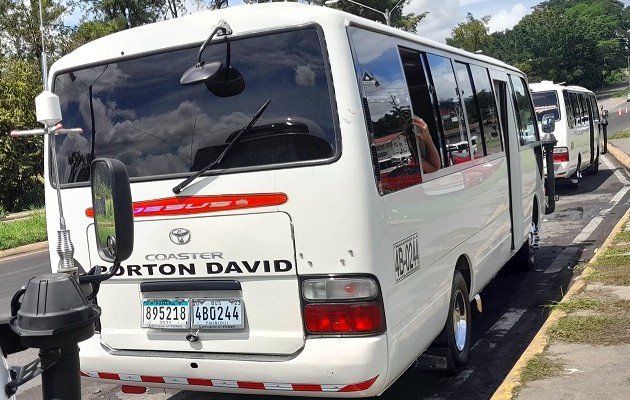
x,y
546,103
137,111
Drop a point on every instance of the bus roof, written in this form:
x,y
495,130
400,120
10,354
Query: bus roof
x,y
550,85
243,19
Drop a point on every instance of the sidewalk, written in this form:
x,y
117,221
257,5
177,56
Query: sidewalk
x,y
582,351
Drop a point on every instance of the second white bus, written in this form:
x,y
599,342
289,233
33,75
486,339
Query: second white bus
x,y
577,127
317,257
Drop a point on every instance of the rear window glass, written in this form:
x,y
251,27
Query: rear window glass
x,y
137,110
546,103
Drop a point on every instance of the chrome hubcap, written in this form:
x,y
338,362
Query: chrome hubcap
x,y
460,324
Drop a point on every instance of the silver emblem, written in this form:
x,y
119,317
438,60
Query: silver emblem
x,y
179,236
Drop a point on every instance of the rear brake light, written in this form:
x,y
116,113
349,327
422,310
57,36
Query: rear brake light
x,y
343,318
560,154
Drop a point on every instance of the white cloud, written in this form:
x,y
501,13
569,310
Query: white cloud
x,y
443,16
446,14
506,19
305,76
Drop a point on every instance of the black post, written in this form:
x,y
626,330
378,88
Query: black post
x,y
62,380
548,143
605,132
604,124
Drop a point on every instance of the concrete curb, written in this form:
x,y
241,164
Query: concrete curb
x,y
541,340
23,249
622,157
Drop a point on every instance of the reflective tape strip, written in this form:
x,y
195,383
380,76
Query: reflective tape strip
x,y
289,387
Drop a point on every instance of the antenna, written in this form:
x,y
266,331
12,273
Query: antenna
x,y
44,61
48,112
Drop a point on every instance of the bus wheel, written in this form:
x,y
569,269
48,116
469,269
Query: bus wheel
x,y
458,325
526,255
575,178
595,166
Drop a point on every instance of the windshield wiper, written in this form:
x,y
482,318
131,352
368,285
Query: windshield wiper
x,y
229,147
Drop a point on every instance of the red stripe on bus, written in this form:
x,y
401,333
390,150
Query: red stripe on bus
x,y
202,204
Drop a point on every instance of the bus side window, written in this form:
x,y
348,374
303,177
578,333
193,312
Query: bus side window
x,y
382,84
480,109
577,108
453,136
421,104
568,106
527,127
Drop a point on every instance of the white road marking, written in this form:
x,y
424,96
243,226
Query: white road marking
x,y
502,326
564,258
617,172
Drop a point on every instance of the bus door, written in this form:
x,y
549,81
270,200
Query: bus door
x,y
499,81
595,129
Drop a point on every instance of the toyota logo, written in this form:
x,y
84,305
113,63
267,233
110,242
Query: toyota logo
x,y
179,236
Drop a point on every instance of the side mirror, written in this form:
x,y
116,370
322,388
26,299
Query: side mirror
x,y
113,209
548,123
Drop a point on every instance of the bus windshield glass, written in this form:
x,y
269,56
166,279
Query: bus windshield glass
x,y
546,103
136,110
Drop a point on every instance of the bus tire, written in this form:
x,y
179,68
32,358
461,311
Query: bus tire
x,y
595,166
458,325
577,175
526,255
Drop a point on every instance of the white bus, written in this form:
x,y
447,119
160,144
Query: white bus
x,y
294,265
577,127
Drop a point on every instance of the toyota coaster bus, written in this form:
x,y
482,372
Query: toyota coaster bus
x,y
290,238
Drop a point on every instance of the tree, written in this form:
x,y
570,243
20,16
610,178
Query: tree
x,y
128,13
20,34
567,41
471,35
407,22
21,160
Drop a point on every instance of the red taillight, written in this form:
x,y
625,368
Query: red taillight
x,y
133,389
560,155
343,318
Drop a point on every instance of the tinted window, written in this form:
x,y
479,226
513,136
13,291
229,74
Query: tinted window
x,y
480,106
568,106
487,105
138,112
546,103
472,111
381,77
450,109
527,127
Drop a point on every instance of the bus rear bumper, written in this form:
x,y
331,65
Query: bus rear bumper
x,y
330,367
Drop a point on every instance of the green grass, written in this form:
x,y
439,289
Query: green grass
x,y
609,329
575,305
540,367
24,231
619,135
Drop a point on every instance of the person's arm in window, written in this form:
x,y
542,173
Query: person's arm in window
x,y
430,160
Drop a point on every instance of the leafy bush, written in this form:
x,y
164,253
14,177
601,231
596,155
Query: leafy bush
x,y
21,159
